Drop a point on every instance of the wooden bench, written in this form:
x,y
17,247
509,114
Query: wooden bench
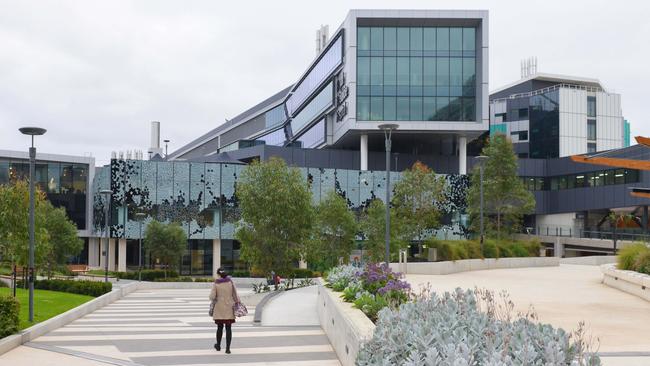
x,y
78,268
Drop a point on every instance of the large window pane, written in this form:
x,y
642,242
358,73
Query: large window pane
x,y
416,109
376,39
591,106
429,71
428,108
79,179
40,170
416,71
390,71
454,109
429,39
456,39
363,38
4,172
469,109
66,178
442,109
363,108
403,108
403,71
591,129
315,136
376,72
389,109
363,70
416,39
403,39
442,39
54,177
390,38
442,77
376,108
469,39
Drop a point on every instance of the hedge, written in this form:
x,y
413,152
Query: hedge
x,y
452,250
90,288
9,315
635,258
147,274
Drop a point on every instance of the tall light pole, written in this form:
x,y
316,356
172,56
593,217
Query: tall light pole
x,y
140,216
31,131
107,212
481,161
388,129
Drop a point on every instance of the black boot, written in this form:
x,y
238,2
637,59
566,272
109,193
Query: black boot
x,y
217,345
228,337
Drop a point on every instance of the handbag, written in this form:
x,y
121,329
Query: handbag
x,y
238,308
212,304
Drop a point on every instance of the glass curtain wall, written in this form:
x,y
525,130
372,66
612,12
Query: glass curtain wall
x,y
416,74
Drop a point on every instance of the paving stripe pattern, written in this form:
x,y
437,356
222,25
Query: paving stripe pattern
x,y
171,327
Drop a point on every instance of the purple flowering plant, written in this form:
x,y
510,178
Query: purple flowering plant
x,y
379,278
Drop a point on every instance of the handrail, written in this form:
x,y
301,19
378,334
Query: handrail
x,y
549,89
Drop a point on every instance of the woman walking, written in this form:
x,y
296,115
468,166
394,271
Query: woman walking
x,y
224,297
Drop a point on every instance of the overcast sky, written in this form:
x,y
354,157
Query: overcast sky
x,y
96,73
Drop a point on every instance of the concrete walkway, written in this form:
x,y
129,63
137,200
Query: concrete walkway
x,y
564,296
292,308
171,327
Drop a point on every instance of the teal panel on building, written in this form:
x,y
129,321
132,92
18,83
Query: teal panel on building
x,y
498,128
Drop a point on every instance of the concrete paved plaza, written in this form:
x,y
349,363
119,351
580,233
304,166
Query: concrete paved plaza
x,y
171,327
563,296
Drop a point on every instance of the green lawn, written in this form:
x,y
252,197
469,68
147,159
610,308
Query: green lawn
x,y
47,304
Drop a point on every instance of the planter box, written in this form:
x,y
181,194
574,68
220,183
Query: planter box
x,y
632,282
346,327
466,265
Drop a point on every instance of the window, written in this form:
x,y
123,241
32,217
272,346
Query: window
x,y
591,147
316,106
519,136
591,129
409,73
619,176
314,136
580,181
591,106
631,176
275,138
275,116
523,113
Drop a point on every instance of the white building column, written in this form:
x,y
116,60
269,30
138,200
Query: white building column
x,y
102,252
302,264
111,254
216,256
121,255
94,252
364,152
462,155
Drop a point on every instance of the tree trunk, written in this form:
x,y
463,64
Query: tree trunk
x,y
499,226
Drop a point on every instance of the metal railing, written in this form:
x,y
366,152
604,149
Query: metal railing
x,y
573,232
549,89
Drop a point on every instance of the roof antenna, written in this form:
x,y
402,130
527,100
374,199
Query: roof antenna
x,y
528,67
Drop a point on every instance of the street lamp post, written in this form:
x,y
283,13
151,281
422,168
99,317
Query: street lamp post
x,y
140,216
166,142
481,160
31,131
107,211
388,128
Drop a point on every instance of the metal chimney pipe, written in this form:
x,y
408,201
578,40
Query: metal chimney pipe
x,y
155,135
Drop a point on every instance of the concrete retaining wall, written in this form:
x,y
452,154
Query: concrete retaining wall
x,y
466,265
593,260
346,327
632,282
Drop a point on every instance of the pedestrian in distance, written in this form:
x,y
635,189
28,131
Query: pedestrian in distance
x,y
224,303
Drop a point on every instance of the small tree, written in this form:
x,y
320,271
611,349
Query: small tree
x,y
334,232
414,201
277,215
505,198
373,225
614,219
167,242
63,239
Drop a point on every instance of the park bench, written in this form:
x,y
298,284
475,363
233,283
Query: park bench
x,y
78,268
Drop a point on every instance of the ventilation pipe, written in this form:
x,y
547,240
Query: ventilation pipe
x,y
155,140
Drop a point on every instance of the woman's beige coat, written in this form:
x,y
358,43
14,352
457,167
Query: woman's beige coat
x,y
223,292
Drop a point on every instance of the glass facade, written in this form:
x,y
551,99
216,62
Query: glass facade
x,y
591,106
313,109
275,116
275,138
416,74
544,122
591,129
65,184
323,68
314,136
581,180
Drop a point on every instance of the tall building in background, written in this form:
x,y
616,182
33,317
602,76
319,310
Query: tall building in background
x,y
551,116
424,70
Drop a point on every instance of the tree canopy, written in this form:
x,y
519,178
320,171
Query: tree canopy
x,y
414,201
505,199
165,242
276,215
373,225
334,232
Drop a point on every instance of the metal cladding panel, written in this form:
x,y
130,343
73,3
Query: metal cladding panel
x,y
353,188
318,158
313,178
196,202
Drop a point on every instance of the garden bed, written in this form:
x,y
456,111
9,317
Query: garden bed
x,y
466,265
632,282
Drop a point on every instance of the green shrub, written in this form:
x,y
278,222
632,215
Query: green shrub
x,y
628,255
241,273
147,274
203,279
303,273
9,315
350,292
370,304
174,279
90,288
3,284
490,249
642,262
504,250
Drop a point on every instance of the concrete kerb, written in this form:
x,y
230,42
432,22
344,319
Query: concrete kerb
x,y
33,332
347,328
259,309
632,282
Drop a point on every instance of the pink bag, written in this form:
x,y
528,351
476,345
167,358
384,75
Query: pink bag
x,y
238,308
